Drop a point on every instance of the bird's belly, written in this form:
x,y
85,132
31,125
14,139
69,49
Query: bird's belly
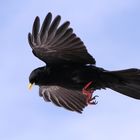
x,y
74,81
75,78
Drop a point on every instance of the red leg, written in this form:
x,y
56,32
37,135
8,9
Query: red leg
x,y
89,93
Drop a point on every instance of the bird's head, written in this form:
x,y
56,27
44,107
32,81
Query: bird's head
x,y
37,76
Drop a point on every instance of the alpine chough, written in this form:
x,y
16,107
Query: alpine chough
x,y
70,76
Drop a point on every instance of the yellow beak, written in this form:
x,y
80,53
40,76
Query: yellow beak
x,y
30,86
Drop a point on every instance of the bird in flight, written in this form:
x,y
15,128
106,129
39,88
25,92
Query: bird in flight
x,y
70,75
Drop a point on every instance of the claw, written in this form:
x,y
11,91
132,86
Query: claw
x,y
94,97
93,100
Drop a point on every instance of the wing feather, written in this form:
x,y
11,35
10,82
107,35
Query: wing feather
x,y
66,35
53,29
68,99
60,32
45,28
56,44
35,30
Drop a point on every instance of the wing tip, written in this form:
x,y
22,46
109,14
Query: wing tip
x,y
37,20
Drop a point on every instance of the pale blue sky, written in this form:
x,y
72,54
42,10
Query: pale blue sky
x,y
111,32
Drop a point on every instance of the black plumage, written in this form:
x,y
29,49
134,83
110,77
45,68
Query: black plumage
x,y
69,67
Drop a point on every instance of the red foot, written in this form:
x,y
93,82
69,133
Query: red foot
x,y
89,93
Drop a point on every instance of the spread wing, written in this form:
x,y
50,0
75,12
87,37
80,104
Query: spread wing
x,y
69,99
56,44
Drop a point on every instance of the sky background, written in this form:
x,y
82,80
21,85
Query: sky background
x,y
111,32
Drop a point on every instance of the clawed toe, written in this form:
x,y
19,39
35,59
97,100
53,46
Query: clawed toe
x,y
93,100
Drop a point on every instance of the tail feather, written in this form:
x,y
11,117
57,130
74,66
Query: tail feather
x,y
130,82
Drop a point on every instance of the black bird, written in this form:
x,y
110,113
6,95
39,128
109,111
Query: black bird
x,y
70,76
